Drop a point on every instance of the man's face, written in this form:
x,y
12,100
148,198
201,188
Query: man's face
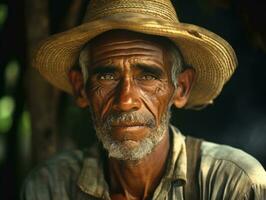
x,y
130,93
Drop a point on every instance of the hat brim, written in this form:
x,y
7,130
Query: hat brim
x,y
212,57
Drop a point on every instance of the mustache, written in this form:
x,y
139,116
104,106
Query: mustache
x,y
130,118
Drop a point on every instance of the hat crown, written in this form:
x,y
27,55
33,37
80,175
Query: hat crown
x,y
162,9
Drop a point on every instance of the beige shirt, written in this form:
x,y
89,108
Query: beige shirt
x,y
225,173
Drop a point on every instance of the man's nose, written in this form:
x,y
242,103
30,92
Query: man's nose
x,y
127,98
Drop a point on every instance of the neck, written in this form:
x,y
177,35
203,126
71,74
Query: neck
x,y
139,179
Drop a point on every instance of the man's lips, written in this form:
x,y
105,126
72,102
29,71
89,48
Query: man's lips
x,y
126,132
127,125
128,128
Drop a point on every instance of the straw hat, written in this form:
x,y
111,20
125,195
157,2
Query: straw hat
x,y
212,57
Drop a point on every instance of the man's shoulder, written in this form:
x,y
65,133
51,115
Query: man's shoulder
x,y
233,163
53,175
67,160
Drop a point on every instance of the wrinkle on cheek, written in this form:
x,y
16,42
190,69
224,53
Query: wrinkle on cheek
x,y
100,97
157,90
106,103
157,100
150,101
95,89
154,93
147,101
162,88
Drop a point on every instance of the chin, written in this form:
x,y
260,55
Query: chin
x,y
130,149
130,144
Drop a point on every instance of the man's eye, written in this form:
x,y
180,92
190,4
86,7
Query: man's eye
x,y
106,77
148,78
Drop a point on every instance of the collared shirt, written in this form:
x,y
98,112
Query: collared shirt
x,y
225,173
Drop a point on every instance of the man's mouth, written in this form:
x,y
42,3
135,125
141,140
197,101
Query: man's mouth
x,y
129,131
127,125
132,120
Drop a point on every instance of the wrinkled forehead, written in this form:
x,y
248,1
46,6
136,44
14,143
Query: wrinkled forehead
x,y
117,43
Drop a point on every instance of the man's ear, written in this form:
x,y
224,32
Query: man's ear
x,y
185,81
76,79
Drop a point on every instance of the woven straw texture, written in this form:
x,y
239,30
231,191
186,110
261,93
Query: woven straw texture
x,y
212,57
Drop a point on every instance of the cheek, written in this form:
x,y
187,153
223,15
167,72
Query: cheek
x,y
100,96
157,98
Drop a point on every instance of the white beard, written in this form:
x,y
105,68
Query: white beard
x,y
119,150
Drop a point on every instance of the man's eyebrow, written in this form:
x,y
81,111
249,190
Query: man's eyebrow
x,y
104,69
149,68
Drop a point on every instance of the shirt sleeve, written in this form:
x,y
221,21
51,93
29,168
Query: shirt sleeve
x,y
37,186
54,179
229,173
257,192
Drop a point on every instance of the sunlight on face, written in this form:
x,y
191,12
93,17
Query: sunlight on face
x,y
130,92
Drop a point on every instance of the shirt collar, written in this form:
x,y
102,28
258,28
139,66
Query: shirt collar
x,y
177,166
91,179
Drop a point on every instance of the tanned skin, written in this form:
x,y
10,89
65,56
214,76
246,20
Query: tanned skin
x,y
130,73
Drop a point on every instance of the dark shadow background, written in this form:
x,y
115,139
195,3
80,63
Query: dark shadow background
x,y
237,117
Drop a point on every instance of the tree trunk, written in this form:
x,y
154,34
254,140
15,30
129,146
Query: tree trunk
x,y
42,98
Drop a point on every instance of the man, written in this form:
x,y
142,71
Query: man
x,y
136,62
